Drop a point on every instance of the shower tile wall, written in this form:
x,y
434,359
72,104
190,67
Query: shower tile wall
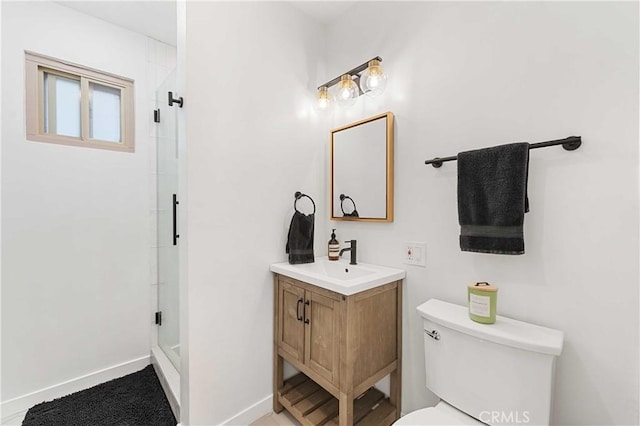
x,y
161,60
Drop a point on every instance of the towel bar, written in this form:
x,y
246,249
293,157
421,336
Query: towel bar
x,y
570,143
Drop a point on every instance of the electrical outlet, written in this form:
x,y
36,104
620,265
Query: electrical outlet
x,y
415,253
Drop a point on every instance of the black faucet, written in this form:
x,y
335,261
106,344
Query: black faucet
x,y
352,249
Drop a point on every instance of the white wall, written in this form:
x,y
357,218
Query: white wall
x,y
75,221
471,75
252,141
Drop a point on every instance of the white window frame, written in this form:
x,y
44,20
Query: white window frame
x,y
35,67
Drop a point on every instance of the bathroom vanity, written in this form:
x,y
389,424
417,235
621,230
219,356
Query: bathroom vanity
x,y
340,325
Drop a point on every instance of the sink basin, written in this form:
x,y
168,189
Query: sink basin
x,y
338,270
339,276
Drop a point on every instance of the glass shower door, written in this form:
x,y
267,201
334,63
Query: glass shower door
x,y
168,211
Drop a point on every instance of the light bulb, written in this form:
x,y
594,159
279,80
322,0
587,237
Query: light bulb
x,y
373,80
347,92
323,99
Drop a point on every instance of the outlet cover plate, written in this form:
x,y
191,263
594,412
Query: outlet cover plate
x,y
415,253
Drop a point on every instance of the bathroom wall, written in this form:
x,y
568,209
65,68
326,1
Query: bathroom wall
x,y
252,141
75,221
477,74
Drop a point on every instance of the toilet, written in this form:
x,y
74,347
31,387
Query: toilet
x,y
498,374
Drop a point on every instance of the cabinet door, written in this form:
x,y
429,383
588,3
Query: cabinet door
x,y
322,336
290,324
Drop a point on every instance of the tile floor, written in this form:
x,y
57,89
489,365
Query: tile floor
x,y
273,419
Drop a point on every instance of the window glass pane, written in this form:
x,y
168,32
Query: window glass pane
x,y
62,105
104,107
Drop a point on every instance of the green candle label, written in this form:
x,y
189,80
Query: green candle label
x,y
480,305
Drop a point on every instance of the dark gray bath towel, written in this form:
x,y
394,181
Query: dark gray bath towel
x,y
300,239
492,198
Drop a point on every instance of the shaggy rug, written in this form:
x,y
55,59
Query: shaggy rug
x,y
133,400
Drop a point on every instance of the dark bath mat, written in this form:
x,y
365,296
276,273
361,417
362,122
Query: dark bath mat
x,y
133,400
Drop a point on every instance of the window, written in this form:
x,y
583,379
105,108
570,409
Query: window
x,y
74,105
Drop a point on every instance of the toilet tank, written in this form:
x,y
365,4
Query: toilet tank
x,y
500,374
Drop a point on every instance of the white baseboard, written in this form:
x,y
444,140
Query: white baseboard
x,y
169,379
12,406
252,413
14,420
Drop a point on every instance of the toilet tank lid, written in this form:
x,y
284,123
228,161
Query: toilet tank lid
x,y
505,331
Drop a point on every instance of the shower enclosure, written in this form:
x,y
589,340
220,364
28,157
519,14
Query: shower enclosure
x,y
167,217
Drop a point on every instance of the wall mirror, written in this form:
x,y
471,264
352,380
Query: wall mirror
x,y
362,170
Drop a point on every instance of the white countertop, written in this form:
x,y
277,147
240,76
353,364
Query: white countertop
x,y
339,276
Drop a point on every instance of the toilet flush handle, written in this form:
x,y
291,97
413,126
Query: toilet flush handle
x,y
433,334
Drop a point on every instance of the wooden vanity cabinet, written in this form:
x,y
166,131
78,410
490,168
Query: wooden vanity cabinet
x,y
342,346
309,329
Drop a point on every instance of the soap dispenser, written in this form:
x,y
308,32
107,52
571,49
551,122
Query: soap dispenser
x,y
334,247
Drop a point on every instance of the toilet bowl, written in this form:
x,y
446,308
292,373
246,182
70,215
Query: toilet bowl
x,y
441,414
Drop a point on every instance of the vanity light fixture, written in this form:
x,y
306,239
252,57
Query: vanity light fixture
x,y
367,78
324,98
347,91
373,80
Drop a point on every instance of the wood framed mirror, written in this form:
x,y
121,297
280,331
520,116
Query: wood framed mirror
x,y
362,170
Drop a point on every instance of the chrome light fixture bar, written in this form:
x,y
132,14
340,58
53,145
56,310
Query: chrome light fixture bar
x,y
367,78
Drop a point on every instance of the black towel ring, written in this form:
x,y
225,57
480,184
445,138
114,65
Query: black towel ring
x,y
354,213
299,195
